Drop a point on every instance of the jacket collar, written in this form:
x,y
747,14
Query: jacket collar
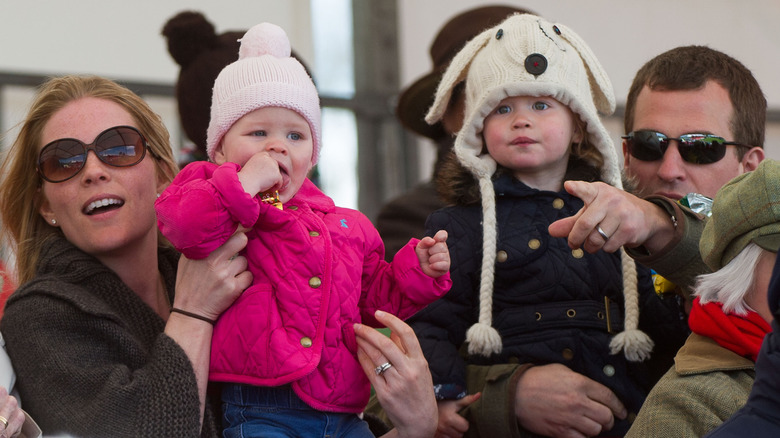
x,y
700,355
313,196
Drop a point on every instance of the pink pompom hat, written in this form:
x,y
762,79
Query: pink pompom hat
x,y
265,75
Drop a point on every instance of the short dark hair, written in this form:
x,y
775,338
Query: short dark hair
x,y
690,68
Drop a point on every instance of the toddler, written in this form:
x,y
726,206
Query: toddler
x,y
286,347
533,92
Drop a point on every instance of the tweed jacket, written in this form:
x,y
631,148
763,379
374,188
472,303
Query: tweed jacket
x,y
91,357
706,386
317,270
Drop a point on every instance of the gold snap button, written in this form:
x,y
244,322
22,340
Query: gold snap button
x,y
306,341
609,370
313,233
534,243
501,256
567,354
315,282
577,253
292,207
558,203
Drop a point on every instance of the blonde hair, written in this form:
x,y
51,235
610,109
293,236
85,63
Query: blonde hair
x,y
20,184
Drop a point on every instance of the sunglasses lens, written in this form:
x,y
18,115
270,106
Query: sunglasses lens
x,y
120,147
702,149
61,160
647,145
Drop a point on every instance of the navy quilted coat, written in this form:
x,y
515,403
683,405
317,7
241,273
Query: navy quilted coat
x,y
551,304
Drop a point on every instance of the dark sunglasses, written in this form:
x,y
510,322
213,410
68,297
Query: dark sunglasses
x,y
120,146
648,145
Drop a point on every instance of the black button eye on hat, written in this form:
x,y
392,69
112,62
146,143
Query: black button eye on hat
x,y
535,64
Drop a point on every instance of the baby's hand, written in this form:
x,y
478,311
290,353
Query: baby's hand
x,y
260,174
434,255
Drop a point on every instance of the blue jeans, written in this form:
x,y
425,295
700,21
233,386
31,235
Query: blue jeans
x,y
256,411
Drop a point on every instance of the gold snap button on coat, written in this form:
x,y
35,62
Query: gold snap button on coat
x,y
567,354
534,243
577,253
609,370
501,256
558,203
313,233
315,282
306,341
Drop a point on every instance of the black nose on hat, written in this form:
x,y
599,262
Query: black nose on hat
x,y
535,64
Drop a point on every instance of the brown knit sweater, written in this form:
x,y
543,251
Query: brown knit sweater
x,y
91,358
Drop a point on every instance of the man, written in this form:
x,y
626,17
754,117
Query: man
x,y
687,90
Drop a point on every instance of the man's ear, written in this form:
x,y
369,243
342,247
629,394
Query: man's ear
x,y
751,159
626,155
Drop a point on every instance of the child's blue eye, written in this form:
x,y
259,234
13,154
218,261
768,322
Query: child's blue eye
x,y
540,105
258,133
503,109
294,136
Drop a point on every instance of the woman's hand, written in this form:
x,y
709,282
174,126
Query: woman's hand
x,y
207,287
11,416
405,389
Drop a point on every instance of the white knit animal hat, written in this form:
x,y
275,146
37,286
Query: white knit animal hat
x,y
265,75
528,56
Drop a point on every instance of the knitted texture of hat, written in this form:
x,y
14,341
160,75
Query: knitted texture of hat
x,y
526,55
265,75
746,209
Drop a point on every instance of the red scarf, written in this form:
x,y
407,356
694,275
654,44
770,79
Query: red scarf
x,y
741,334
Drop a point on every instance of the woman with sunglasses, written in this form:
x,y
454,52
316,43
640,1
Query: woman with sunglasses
x,y
100,331
90,331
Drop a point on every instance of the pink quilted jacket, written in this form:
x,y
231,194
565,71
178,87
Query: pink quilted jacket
x,y
318,269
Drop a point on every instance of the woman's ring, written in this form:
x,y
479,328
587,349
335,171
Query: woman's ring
x,y
602,233
4,421
382,368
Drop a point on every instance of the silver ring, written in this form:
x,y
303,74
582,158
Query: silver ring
x,y
382,368
602,233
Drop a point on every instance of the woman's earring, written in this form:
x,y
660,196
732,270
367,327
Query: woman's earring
x,y
54,221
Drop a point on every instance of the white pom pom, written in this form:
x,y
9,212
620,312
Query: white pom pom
x,y
483,339
264,39
635,344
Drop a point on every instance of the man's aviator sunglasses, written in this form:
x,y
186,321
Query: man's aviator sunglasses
x,y
648,145
120,146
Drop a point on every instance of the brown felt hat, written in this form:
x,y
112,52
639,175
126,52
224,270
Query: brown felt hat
x,y
746,209
414,101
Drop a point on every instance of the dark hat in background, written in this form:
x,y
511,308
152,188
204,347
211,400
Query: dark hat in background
x,y
194,44
414,101
746,209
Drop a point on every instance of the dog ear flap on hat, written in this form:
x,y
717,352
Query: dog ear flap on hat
x,y
600,85
455,74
